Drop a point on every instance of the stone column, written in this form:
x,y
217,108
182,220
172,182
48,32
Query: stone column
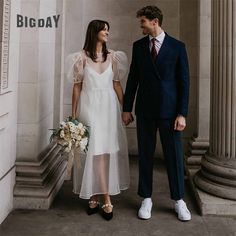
x,y
40,166
218,167
199,143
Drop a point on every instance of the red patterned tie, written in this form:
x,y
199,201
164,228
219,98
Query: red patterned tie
x,y
153,49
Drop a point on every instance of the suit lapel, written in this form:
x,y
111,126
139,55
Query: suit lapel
x,y
160,54
162,50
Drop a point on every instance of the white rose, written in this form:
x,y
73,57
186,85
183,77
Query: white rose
x,y
72,129
62,124
82,132
62,134
77,131
71,125
83,143
80,126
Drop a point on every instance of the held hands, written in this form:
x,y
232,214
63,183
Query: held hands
x,y
180,123
127,117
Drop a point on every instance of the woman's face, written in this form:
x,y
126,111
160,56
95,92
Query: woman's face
x,y
103,34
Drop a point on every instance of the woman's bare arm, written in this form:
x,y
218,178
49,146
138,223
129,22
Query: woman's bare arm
x,y
119,91
75,97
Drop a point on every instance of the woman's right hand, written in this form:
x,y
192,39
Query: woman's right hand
x,y
127,117
73,117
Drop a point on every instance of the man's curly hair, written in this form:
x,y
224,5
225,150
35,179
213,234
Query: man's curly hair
x,y
151,12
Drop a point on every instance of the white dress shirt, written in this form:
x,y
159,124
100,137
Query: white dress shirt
x,y
158,42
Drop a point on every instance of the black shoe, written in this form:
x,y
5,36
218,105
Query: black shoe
x,y
91,211
105,215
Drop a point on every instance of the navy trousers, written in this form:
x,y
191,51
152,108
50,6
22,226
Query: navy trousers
x,y
173,152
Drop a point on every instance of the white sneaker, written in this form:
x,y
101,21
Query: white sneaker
x,y
145,209
182,210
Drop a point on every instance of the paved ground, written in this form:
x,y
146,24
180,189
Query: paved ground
x,y
67,215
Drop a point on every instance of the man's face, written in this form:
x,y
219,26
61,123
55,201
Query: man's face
x,y
147,25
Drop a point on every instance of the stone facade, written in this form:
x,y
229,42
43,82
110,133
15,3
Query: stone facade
x,y
8,103
35,95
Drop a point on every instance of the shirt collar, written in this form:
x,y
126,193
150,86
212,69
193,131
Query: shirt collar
x,y
159,37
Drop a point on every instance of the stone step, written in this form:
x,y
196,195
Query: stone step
x,y
40,180
41,192
193,160
39,198
41,158
38,171
198,144
196,152
37,185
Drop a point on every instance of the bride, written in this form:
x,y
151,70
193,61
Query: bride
x,y
97,101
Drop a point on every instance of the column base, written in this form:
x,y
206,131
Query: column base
x,y
37,183
209,204
217,177
197,148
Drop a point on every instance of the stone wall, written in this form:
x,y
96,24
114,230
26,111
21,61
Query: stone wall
x,y
8,105
180,21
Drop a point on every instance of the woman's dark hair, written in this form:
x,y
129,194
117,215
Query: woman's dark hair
x,y
151,12
91,39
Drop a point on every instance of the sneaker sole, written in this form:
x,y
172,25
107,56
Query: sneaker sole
x,y
183,220
144,218
141,218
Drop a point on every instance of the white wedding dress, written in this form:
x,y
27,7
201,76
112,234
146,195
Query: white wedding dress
x,y
105,165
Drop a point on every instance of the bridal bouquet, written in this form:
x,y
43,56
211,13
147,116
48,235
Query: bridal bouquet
x,y
74,136
71,134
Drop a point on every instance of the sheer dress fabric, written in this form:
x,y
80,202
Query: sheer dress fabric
x,y
105,167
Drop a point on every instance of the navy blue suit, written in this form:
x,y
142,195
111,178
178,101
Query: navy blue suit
x,y
162,92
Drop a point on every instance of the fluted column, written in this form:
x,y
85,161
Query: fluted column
x,y
218,167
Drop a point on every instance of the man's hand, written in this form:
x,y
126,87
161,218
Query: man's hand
x,y
127,117
180,123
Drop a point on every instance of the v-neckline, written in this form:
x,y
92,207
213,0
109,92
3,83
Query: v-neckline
x,y
87,64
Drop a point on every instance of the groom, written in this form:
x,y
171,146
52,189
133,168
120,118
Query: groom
x,y
159,71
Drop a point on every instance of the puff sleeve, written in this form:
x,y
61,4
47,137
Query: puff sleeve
x,y
75,67
120,65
